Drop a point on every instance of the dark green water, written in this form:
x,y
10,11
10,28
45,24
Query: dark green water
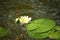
x,y
34,8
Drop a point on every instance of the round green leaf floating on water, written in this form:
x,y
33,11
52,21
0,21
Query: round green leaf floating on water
x,y
57,28
55,35
40,25
39,35
3,32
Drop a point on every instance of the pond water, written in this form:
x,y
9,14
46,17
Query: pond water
x,y
10,9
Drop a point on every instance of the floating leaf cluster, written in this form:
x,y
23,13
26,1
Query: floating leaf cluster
x,y
43,28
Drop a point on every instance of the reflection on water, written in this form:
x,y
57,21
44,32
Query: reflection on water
x,y
34,8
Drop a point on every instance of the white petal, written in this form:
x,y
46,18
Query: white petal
x,y
26,17
16,20
29,19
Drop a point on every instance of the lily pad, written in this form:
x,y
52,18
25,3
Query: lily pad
x,y
55,35
3,32
57,28
40,25
39,35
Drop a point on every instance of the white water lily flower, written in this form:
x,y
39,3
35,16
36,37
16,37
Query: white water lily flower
x,y
24,19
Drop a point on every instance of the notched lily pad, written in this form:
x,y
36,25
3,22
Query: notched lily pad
x,y
57,28
40,25
38,35
55,35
